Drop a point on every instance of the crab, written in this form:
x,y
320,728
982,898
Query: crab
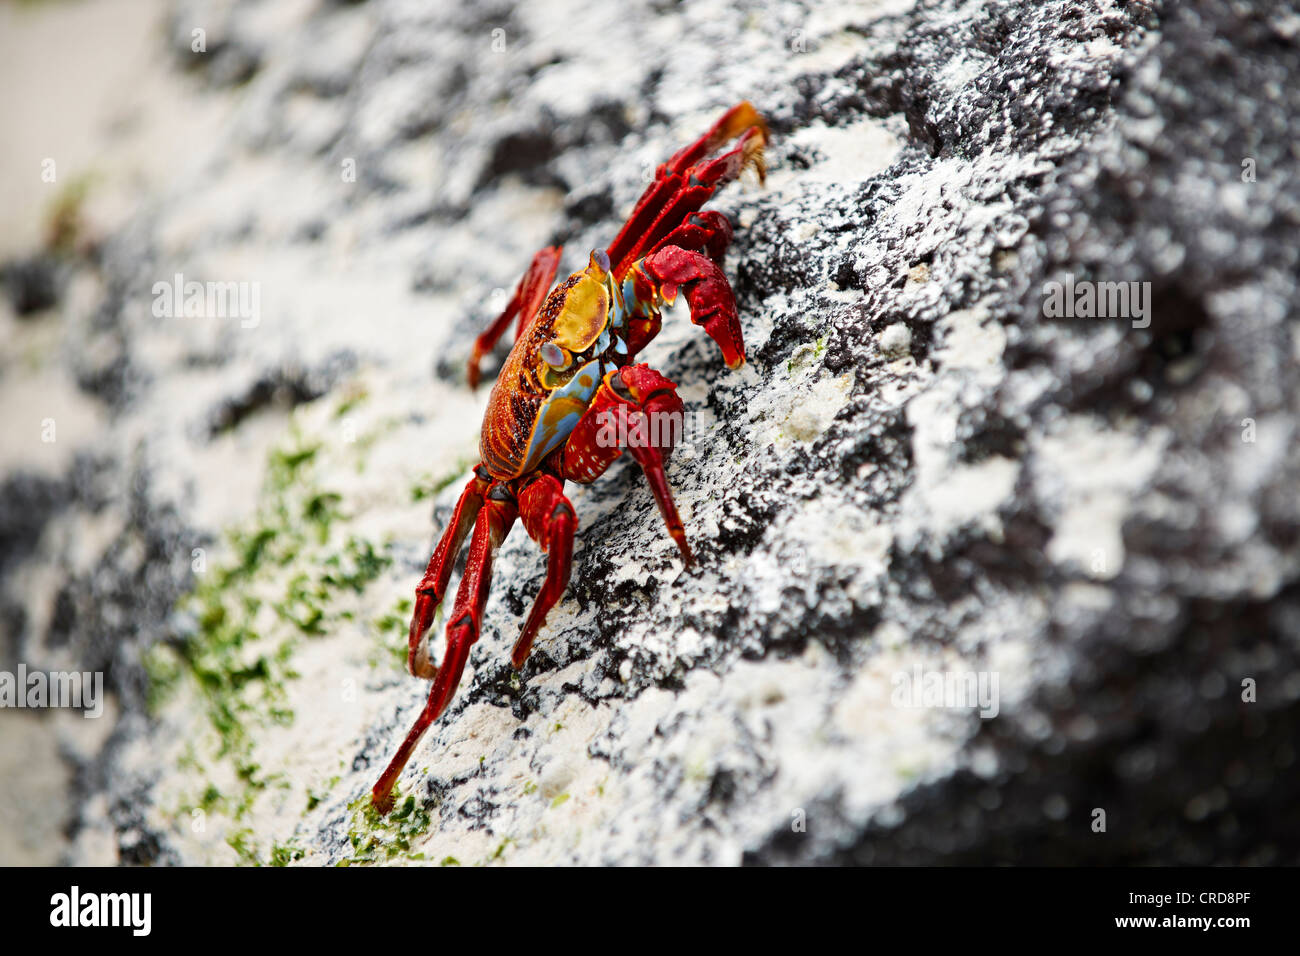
x,y
570,399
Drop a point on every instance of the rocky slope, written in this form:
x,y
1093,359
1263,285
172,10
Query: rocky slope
x,y
922,469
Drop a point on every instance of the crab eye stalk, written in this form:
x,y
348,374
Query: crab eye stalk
x,y
554,356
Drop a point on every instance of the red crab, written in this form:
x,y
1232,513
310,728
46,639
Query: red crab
x,y
568,399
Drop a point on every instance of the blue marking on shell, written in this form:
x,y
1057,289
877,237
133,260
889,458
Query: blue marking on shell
x,y
560,412
617,312
548,439
602,343
629,295
620,347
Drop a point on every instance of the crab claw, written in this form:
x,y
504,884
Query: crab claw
x,y
713,305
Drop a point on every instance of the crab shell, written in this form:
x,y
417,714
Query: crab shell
x,y
554,370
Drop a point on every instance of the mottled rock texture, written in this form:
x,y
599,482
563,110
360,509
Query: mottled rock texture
x,y
919,470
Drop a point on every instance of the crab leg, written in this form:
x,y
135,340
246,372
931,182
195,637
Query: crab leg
x,y
550,521
708,230
495,517
683,184
739,119
526,301
639,410
429,592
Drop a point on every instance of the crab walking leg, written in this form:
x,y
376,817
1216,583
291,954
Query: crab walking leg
x,y
495,518
527,299
701,183
550,521
741,118
652,460
432,587
709,231
637,409
683,184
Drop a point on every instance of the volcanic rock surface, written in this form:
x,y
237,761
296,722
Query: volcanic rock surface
x,y
921,470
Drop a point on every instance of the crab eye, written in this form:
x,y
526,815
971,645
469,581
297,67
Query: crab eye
x,y
553,355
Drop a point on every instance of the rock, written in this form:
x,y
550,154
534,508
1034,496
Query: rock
x,y
896,340
32,284
976,577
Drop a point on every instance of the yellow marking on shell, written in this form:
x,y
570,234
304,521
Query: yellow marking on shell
x,y
585,311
